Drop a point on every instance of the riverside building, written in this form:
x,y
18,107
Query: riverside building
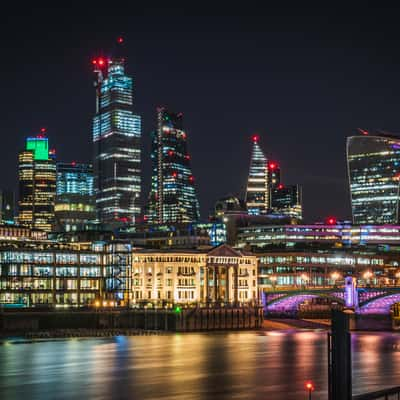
x,y
92,274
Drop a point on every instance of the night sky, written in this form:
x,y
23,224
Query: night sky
x,y
302,78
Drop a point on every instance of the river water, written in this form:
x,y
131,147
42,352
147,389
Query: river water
x,y
251,365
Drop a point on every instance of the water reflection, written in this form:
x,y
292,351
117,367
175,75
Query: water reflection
x,y
263,365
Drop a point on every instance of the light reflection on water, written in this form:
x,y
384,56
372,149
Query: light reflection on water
x,y
253,365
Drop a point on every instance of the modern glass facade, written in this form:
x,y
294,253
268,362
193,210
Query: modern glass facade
x,y
116,138
37,184
374,171
75,201
172,196
286,200
257,193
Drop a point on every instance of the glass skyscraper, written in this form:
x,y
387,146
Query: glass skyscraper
x,y
37,184
374,171
75,201
116,138
172,196
257,193
286,200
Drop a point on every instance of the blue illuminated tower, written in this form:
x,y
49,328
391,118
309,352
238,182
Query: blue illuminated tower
x,y
172,197
116,138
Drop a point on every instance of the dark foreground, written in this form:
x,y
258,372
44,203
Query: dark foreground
x,y
239,365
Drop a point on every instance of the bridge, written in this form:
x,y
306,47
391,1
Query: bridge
x,y
365,300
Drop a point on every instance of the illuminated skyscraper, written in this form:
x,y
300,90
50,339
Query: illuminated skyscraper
x,y
274,174
116,138
75,201
286,200
172,197
37,184
257,193
374,171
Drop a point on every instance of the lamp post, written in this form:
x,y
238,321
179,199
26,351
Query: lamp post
x,y
310,388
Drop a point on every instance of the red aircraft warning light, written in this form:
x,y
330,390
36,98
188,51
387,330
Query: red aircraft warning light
x,y
272,165
255,138
331,221
120,40
280,186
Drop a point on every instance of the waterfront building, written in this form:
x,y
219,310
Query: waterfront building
x,y
220,275
281,270
113,273
172,196
287,200
20,233
37,184
373,163
117,151
75,201
340,234
257,192
60,275
7,206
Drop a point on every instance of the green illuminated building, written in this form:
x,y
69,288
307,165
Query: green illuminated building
x,y
37,184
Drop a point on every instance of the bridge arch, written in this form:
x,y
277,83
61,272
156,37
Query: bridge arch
x,y
291,301
380,304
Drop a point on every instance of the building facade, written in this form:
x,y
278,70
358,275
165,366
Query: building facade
x,y
117,151
7,206
172,197
222,275
287,200
37,184
114,274
257,192
373,163
75,200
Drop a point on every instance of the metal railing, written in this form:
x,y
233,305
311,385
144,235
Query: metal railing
x,y
385,394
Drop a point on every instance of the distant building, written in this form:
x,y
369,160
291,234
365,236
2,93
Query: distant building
x,y
75,200
287,200
172,196
37,184
228,205
257,192
7,206
116,138
374,174
274,174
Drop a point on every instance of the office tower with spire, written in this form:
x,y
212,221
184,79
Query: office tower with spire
x,y
257,193
117,152
37,183
172,196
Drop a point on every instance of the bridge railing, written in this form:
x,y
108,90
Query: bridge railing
x,y
385,394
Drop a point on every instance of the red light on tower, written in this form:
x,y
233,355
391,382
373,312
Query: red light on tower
x,y
331,221
170,153
255,138
272,165
280,186
94,61
191,178
120,40
174,174
101,61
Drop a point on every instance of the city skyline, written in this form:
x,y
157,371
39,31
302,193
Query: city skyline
x,y
292,99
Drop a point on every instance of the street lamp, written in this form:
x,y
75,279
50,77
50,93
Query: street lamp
x,y
273,280
367,276
335,276
310,387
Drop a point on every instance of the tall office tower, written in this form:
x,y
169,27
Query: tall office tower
x,y
274,174
75,202
257,194
373,162
37,184
287,200
7,207
172,196
116,138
